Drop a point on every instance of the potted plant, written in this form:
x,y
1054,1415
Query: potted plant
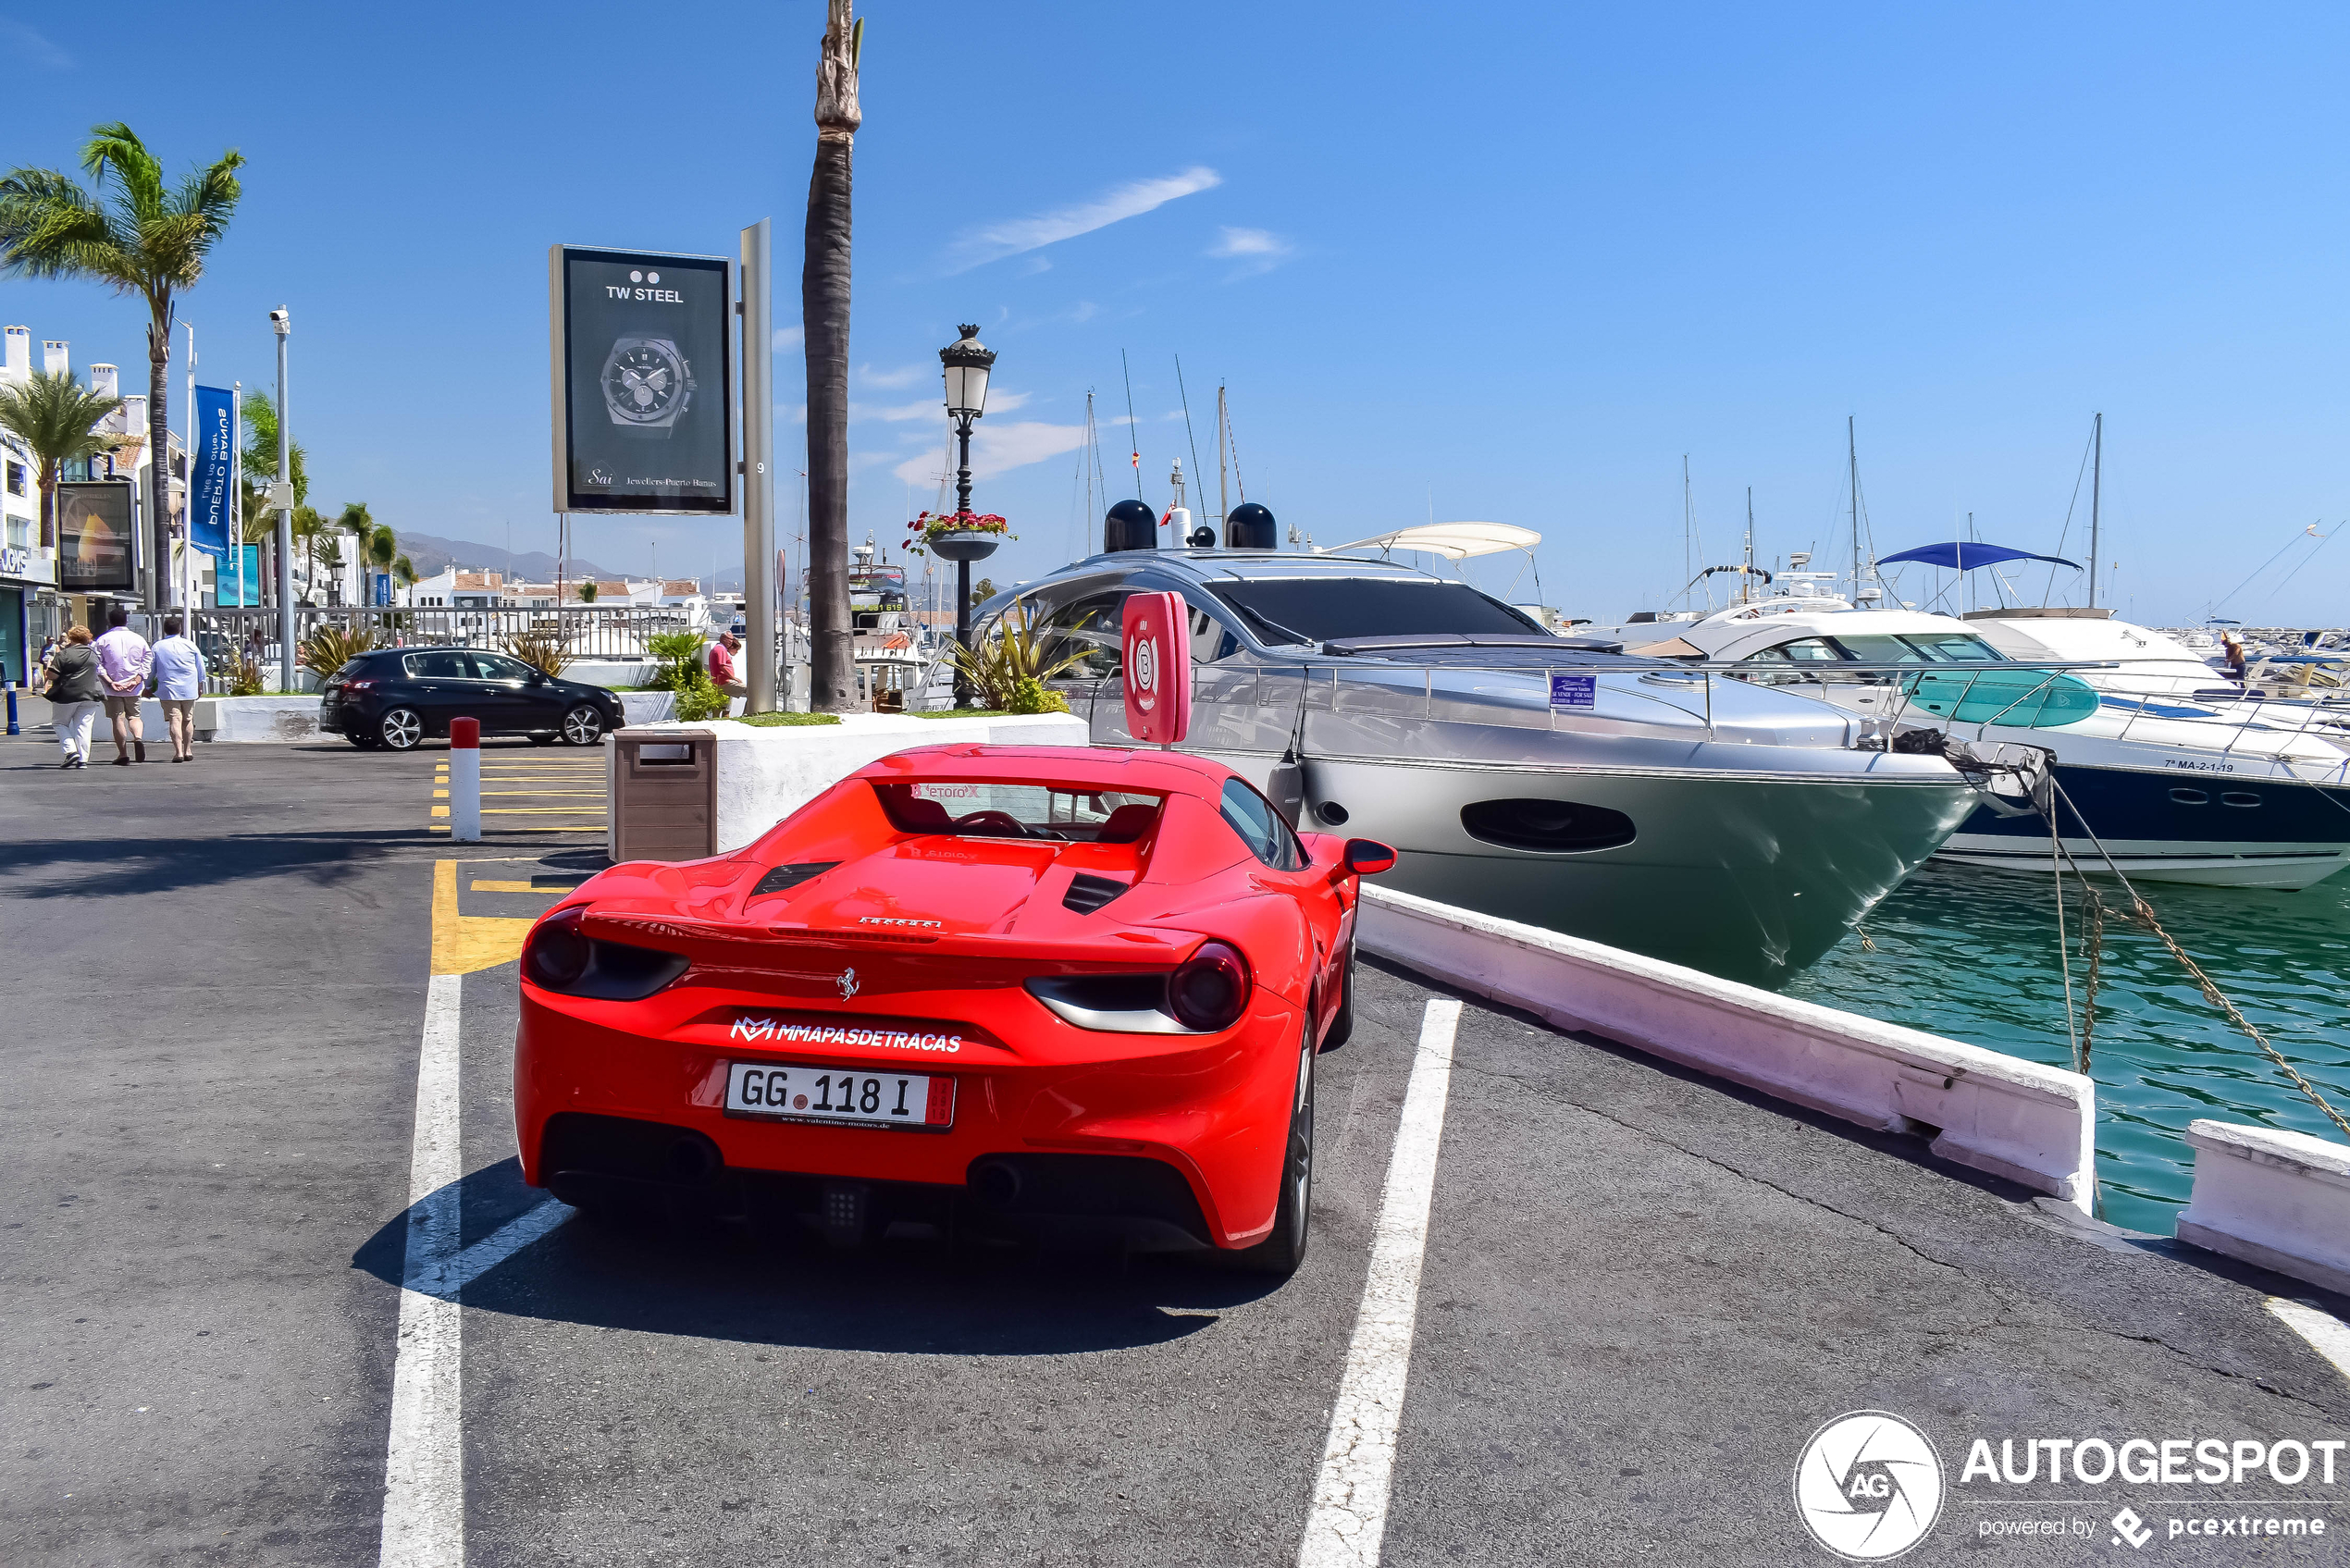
x,y
957,535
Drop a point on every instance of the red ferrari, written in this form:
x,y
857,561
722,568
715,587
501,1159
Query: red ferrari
x,y
1032,992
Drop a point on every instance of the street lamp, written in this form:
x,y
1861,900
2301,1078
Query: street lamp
x,y
967,363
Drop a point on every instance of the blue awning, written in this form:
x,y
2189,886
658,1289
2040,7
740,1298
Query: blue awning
x,y
1954,555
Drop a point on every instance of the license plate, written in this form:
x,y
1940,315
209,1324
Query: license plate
x,y
858,1096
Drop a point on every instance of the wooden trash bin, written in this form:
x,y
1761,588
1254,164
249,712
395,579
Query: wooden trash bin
x,y
665,794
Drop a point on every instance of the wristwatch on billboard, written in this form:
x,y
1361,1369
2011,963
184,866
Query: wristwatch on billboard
x,y
647,385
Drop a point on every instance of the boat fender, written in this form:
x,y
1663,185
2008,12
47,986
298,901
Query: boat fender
x,y
1285,788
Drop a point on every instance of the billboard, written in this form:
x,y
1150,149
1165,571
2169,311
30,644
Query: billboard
x,y
235,592
642,374
93,537
216,459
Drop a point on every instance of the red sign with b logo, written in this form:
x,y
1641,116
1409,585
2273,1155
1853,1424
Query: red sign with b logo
x,y
1159,668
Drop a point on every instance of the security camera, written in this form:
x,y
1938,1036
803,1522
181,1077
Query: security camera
x,y
279,319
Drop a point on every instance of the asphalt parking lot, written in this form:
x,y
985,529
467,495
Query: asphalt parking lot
x,y
1641,1291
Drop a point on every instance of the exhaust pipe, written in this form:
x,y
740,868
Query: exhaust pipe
x,y
997,1184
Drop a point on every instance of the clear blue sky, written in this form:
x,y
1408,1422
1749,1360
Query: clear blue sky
x,y
1505,262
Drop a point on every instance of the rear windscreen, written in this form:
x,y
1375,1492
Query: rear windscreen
x,y
1327,610
1020,811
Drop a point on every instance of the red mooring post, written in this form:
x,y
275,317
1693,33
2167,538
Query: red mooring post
x,y
464,780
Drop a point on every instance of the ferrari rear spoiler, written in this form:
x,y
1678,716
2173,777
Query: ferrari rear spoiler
x,y
755,947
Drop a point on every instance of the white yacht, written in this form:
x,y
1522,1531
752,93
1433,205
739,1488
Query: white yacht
x,y
2162,766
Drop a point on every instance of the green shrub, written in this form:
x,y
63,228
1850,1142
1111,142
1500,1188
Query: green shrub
x,y
779,720
680,653
699,697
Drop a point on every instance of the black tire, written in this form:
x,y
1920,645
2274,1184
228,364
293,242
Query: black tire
x,y
546,739
401,729
1341,1028
1281,1252
583,724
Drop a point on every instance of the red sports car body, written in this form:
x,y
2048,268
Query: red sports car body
x,y
1037,991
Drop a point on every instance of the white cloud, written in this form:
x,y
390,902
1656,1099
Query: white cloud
x,y
36,47
933,408
867,375
998,448
1257,250
788,339
979,246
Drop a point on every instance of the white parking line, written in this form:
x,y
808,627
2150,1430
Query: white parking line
x,y
1349,1518
2327,1334
450,1276
424,1522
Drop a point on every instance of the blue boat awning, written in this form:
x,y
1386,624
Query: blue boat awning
x,y
1965,556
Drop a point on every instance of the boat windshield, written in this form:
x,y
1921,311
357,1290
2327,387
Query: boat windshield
x,y
1331,608
1910,647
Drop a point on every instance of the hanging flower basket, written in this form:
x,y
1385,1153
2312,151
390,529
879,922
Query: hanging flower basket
x,y
957,535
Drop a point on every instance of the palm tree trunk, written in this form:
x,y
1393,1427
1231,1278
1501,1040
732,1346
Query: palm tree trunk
x,y
48,506
159,583
823,313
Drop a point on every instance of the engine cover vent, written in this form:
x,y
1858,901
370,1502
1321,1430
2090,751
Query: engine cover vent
x,y
1087,894
783,879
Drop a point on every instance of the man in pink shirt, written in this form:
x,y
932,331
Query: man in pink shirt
x,y
722,666
124,660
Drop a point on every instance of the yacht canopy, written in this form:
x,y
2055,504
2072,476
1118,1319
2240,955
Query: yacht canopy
x,y
1956,555
1455,542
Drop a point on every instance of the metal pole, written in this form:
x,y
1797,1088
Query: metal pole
x,y
187,593
2096,495
279,319
962,568
237,488
759,470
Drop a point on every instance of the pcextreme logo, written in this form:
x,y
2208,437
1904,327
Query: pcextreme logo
x,y
1868,1485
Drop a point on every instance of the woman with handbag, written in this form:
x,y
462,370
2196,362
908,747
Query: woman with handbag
x,y
76,691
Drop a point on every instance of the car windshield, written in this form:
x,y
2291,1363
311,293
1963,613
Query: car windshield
x,y
1328,609
1020,811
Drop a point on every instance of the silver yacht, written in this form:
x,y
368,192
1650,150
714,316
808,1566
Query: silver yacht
x,y
1628,801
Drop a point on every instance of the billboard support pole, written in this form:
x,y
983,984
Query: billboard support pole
x,y
759,468
277,319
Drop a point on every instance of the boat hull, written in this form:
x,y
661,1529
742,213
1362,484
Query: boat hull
x,y
2254,831
1748,876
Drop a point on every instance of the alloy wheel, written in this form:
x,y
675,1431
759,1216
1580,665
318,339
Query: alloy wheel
x,y
583,726
403,728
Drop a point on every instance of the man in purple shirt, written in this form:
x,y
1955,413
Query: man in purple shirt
x,y
124,660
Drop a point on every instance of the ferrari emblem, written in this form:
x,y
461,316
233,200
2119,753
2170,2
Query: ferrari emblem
x,y
847,983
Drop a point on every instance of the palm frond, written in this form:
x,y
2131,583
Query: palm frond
x,y
116,147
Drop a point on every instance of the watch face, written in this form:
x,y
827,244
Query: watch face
x,y
645,382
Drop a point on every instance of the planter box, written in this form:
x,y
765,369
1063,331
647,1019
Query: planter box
x,y
765,774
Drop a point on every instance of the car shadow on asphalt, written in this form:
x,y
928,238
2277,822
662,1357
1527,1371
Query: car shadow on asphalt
x,y
767,1284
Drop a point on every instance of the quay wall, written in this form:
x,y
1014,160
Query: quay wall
x,y
2278,1199
2015,1119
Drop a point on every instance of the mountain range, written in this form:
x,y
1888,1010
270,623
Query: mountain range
x,y
431,554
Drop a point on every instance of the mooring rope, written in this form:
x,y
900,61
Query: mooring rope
x,y
2064,956
2212,992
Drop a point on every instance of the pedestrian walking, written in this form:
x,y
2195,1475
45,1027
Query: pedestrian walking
x,y
125,661
178,665
77,690
722,665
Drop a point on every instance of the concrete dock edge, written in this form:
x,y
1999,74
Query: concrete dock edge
x,y
2031,1124
2278,1199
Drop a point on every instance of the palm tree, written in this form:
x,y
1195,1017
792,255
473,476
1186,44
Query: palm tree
x,y
823,313
404,572
139,239
258,465
356,521
383,547
307,528
54,415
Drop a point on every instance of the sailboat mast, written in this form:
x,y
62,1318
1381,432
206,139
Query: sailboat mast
x,y
2097,491
1852,477
1746,578
1686,564
1223,463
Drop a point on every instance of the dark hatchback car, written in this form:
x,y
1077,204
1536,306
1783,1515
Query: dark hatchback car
x,y
398,696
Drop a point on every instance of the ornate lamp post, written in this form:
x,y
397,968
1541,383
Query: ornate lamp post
x,y
967,365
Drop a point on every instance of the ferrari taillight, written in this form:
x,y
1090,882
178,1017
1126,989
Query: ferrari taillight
x,y
556,955
1209,990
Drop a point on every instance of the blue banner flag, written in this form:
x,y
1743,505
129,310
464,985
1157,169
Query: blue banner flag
x,y
212,463
232,594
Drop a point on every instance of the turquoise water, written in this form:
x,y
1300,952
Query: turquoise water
x,y
1971,954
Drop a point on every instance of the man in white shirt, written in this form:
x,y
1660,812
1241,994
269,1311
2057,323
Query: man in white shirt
x,y
124,660
178,668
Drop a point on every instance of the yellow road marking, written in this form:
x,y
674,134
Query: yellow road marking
x,y
465,944
538,811
530,827
440,795
525,887
441,811
584,794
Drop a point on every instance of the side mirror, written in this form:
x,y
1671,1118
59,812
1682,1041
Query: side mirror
x,y
1368,857
537,677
